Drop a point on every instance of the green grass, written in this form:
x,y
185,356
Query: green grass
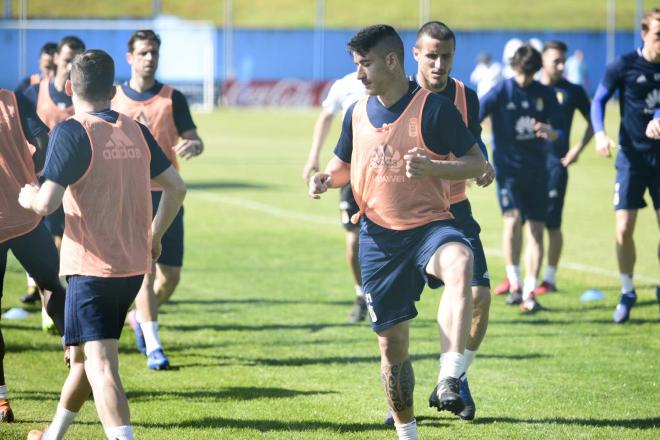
x,y
257,329
475,14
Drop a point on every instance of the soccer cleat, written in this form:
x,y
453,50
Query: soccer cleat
x,y
622,311
545,287
156,360
31,296
359,311
35,434
139,336
503,288
514,298
530,305
6,414
389,418
464,391
446,397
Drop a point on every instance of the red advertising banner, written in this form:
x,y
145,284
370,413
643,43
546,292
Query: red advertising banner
x,y
274,93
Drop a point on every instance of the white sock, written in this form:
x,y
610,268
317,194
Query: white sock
x,y
358,291
626,282
468,357
4,392
529,286
120,433
30,281
550,274
407,431
451,365
513,274
57,428
150,331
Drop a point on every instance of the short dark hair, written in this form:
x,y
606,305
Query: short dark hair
x,y
436,30
48,48
527,59
379,36
93,75
653,14
73,42
143,35
555,44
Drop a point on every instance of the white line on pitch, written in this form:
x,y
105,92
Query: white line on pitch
x,y
325,220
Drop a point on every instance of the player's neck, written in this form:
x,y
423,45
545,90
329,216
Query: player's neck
x,y
547,80
82,106
522,80
425,85
650,56
141,84
395,92
58,82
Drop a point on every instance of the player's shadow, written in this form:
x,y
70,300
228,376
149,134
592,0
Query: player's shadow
x,y
649,423
312,328
231,393
39,395
254,302
226,185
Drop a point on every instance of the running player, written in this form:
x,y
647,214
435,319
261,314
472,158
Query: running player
x,y
165,112
523,113
46,67
636,76
21,231
571,97
99,166
397,147
342,94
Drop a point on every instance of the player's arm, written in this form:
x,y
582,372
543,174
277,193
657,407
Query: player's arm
x,y
604,92
653,127
584,107
474,126
337,174
43,200
191,144
34,130
468,166
487,103
321,129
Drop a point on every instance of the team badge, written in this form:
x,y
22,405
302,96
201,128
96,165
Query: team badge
x,y
412,127
560,97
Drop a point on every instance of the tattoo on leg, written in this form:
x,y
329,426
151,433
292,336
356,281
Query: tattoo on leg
x,y
399,382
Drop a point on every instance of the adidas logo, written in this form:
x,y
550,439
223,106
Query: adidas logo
x,y
640,79
511,106
120,146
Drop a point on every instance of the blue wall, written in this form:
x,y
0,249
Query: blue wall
x,y
274,54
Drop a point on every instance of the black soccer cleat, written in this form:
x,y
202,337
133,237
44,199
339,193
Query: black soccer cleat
x,y
470,409
31,296
359,311
515,297
446,396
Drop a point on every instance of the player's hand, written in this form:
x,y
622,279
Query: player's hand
x,y
311,167
188,148
603,144
545,131
418,164
571,156
653,129
318,184
156,248
27,194
487,177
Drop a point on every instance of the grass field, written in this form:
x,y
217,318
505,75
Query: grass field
x,y
258,336
475,14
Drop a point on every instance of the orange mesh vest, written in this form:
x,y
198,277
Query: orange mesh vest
x,y
457,187
378,170
47,110
16,170
108,211
156,113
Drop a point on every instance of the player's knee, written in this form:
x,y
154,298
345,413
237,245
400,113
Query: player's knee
x,y
393,345
624,231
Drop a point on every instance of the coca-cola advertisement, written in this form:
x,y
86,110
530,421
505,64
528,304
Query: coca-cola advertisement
x,y
274,93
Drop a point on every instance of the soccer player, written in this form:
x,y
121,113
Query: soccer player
x,y
21,231
397,148
165,112
342,94
99,166
434,52
54,106
571,97
636,75
46,67
523,113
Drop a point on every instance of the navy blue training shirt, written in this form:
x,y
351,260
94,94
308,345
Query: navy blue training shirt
x,y
180,110
60,99
571,97
443,129
513,111
70,152
638,83
32,125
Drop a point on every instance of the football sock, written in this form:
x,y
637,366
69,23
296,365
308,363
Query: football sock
x,y
57,428
530,285
407,431
120,433
626,282
451,365
550,274
513,274
468,358
150,331
4,392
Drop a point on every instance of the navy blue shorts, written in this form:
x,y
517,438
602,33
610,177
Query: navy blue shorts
x,y
172,242
557,184
96,307
525,190
635,172
36,252
55,222
462,212
393,265
347,207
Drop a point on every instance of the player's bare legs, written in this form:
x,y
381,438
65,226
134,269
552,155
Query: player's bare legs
x,y
166,281
480,313
626,256
397,372
359,310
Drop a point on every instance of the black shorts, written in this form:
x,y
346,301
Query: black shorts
x,y
172,242
347,207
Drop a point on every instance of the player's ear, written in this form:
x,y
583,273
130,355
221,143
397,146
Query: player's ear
x,y
129,58
416,53
68,88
